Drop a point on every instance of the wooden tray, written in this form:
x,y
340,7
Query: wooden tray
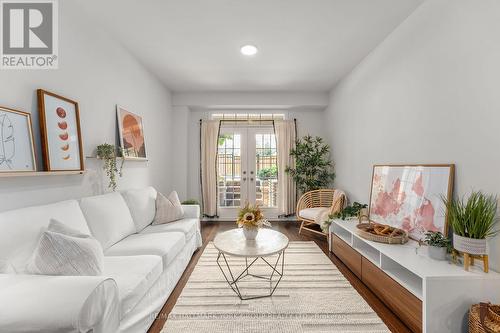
x,y
396,236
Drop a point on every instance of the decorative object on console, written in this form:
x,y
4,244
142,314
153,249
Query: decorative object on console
x,y
355,210
251,219
409,197
168,209
61,134
484,318
17,152
382,233
438,244
108,153
473,221
131,130
313,167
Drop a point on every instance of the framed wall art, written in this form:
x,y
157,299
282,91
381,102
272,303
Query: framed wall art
x,y
131,132
410,197
60,131
17,151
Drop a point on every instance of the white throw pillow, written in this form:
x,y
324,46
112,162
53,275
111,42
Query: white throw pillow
x,y
6,267
168,209
65,251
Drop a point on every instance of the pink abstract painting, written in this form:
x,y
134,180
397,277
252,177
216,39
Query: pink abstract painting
x,y
410,197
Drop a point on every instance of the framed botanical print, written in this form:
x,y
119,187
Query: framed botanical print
x,y
61,134
17,151
410,197
131,131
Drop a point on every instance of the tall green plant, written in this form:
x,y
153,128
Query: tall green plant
x,y
313,166
475,217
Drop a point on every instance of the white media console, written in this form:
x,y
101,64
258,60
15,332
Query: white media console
x,y
445,289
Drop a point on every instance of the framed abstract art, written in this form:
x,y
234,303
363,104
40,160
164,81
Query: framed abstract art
x,y
131,131
60,131
409,197
17,152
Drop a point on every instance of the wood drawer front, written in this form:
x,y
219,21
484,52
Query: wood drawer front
x,y
347,254
403,303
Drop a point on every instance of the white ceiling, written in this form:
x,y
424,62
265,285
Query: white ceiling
x,y
306,45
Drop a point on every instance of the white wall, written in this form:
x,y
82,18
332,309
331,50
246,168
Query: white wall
x,y
187,164
428,94
98,73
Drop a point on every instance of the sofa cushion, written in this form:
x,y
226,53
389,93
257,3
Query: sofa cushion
x,y
66,251
134,276
187,226
142,206
166,245
108,218
21,229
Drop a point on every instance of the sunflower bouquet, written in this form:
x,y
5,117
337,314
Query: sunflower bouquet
x,y
251,217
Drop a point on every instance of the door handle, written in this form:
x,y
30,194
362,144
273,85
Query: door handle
x,y
244,172
244,179
251,179
251,172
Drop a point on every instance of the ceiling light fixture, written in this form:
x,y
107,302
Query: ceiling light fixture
x,y
249,50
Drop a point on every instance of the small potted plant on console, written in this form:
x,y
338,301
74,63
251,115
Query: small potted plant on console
x,y
438,244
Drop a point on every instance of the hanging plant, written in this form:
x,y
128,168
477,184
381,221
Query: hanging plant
x,y
108,153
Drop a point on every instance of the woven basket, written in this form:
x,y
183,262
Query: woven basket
x,y
484,318
379,238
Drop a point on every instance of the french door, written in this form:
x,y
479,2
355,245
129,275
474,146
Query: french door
x,y
247,170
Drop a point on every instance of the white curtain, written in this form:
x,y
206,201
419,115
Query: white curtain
x,y
209,138
285,141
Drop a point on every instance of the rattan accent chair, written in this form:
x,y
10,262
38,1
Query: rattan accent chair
x,y
310,204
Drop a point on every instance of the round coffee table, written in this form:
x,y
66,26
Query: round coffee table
x,y
267,243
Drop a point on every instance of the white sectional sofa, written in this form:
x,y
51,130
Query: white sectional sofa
x,y
142,265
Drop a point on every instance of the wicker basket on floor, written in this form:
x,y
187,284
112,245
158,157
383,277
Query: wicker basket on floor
x,y
484,318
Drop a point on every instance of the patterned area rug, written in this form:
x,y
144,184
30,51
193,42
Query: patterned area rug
x,y
313,296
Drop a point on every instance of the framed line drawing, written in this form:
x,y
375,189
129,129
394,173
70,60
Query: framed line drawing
x,y
60,133
17,149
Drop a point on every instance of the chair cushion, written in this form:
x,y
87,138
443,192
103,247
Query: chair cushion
x,y
186,226
108,217
142,206
21,229
166,245
134,276
311,213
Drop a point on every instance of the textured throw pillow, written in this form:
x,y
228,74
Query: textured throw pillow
x,y
6,267
65,251
168,209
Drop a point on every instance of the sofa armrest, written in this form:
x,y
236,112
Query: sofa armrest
x,y
43,303
191,211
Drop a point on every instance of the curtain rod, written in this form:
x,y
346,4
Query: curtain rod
x,y
247,120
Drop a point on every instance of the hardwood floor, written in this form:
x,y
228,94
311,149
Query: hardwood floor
x,y
291,230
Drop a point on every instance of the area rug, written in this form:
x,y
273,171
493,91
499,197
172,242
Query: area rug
x,y
313,296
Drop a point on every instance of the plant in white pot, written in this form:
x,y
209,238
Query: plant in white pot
x,y
438,244
473,221
251,219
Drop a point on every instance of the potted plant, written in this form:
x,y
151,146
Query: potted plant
x,y
355,210
313,167
251,219
473,221
438,244
108,153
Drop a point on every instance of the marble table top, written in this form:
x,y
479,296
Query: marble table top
x,y
267,243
